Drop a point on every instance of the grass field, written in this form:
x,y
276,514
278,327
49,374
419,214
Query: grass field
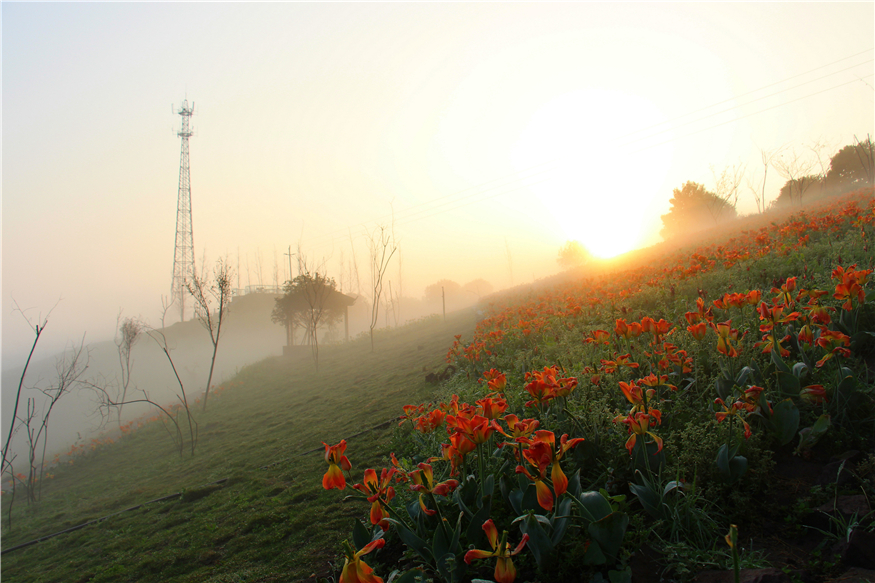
x,y
270,524
739,338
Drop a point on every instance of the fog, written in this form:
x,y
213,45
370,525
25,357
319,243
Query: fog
x,y
248,336
482,136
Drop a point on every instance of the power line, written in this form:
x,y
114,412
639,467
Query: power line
x,y
493,195
416,212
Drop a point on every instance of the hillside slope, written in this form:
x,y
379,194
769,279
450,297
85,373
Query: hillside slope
x,y
273,524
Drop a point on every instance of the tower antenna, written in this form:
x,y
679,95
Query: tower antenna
x,y
183,253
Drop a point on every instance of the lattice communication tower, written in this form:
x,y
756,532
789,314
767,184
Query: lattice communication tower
x,y
183,254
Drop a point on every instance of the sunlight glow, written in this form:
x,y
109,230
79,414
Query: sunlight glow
x,y
602,169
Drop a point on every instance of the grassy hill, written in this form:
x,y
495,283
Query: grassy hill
x,y
252,507
271,524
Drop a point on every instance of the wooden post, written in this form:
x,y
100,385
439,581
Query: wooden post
x,y
346,322
444,302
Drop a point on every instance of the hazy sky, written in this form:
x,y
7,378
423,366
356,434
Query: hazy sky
x,y
492,130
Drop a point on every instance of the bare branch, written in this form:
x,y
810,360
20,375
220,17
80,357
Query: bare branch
x,y
208,289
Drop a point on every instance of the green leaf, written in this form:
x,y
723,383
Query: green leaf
x,y
574,483
609,532
413,509
731,466
743,375
737,468
757,372
489,485
530,499
466,494
779,362
504,487
448,566
360,534
809,436
789,384
671,486
475,534
845,392
457,533
785,421
440,545
724,387
539,543
516,500
411,576
800,369
593,506
561,520
413,541
594,555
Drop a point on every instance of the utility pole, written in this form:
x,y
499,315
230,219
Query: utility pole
x,y
183,253
290,261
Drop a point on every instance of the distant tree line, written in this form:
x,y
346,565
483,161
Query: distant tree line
x,y
808,175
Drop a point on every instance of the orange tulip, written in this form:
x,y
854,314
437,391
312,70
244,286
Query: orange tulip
x,y
354,569
505,572
379,492
337,464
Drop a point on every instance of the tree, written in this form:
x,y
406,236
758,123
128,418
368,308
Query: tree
x,y
726,189
381,247
307,303
851,167
796,189
35,423
573,254
793,167
129,332
479,287
759,188
693,207
208,289
443,288
38,329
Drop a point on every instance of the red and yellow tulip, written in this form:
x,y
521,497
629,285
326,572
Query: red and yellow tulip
x,y
354,569
337,464
505,572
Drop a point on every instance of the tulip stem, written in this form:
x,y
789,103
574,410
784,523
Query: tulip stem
x,y
481,466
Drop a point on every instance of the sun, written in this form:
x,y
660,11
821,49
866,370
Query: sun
x,y
601,158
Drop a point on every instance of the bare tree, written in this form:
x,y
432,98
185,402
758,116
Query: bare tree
x,y
107,403
15,423
866,154
354,268
821,149
381,247
36,423
726,188
400,293
38,329
238,268
794,168
128,333
276,270
207,290
259,266
248,273
759,188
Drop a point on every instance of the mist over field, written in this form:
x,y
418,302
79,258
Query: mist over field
x,y
481,139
